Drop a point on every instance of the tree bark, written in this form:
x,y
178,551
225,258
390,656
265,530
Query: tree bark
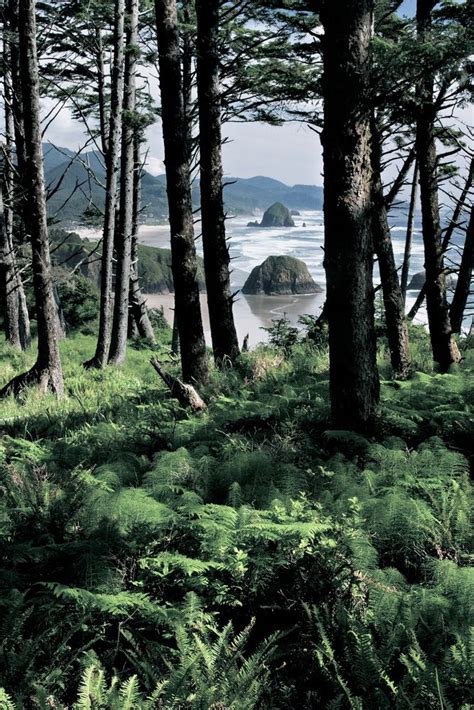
x,y
101,356
176,144
8,294
185,394
47,370
445,350
464,282
225,343
17,102
99,49
138,305
453,224
354,382
397,331
18,321
409,235
123,242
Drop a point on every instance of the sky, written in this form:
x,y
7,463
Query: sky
x,y
290,153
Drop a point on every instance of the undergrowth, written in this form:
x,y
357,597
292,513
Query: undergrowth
x,y
245,557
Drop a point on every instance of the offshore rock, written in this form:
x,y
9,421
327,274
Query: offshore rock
x,y
280,275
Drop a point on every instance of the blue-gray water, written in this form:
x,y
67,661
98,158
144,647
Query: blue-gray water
x,y
249,246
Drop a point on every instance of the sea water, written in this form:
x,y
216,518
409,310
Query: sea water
x,y
250,246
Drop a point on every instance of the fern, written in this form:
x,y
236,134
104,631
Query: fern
x,y
6,702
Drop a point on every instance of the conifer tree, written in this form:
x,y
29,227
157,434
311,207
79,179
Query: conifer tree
x,y
216,254
47,370
123,241
445,350
177,164
354,383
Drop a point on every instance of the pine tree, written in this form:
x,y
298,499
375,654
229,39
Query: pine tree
x,y
177,164
47,370
354,382
216,254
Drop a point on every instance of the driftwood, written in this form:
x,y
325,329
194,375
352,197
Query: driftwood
x,y
184,393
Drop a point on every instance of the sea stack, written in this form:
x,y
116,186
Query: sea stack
x,y
280,276
418,281
277,216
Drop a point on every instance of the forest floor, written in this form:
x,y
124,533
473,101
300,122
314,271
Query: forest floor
x,y
244,557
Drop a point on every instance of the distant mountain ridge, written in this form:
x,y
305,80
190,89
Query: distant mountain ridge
x,y
86,175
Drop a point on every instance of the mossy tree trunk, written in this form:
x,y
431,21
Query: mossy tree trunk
x,y
445,350
47,370
354,382
177,159
225,344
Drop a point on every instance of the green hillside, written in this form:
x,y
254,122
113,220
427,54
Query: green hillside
x,y
80,192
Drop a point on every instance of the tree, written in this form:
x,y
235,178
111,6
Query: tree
x,y
176,144
409,235
464,282
47,370
445,350
16,317
216,254
112,144
123,241
354,382
397,331
138,305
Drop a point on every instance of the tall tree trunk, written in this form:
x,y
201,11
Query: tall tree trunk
x,y
464,283
445,350
225,344
138,305
409,235
101,356
14,144
8,293
354,382
397,331
8,273
17,102
450,229
47,369
99,50
123,243
176,143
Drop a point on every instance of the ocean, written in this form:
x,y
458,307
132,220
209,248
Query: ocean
x,y
249,246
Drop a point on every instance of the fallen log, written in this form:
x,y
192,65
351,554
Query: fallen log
x,y
184,393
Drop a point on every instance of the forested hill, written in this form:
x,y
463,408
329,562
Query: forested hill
x,y
77,193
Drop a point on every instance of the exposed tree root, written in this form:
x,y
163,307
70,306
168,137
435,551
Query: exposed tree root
x,y
44,378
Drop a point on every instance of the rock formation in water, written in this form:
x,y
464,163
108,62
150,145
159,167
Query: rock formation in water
x,y
418,281
280,275
277,216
